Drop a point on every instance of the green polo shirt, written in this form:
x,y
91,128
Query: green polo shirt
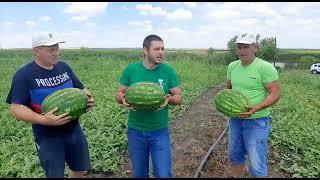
x,y
250,81
136,72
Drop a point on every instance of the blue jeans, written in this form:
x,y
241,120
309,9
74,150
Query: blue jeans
x,y
249,137
55,151
156,143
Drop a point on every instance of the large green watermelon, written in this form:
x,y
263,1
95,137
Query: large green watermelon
x,y
72,100
231,102
145,96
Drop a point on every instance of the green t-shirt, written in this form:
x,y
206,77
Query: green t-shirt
x,y
136,72
250,81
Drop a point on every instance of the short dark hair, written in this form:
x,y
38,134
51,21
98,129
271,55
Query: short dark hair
x,y
147,41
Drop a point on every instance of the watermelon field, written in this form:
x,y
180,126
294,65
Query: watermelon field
x,y
295,118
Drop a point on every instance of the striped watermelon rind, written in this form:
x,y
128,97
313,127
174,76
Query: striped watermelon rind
x,y
145,96
71,100
231,102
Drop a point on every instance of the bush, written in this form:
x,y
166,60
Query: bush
x,y
291,56
308,59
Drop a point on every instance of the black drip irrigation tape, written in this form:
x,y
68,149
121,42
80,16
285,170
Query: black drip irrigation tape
x,y
204,160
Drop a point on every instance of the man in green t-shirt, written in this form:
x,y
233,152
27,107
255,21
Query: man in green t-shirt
x,y
148,132
248,134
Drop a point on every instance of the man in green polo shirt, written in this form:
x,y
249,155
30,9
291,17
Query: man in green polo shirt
x,y
248,134
148,132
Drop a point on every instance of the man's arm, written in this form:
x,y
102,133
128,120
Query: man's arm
x,y
175,97
120,95
274,95
90,102
23,113
228,84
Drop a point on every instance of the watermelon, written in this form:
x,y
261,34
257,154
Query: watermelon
x,y
145,96
231,102
71,100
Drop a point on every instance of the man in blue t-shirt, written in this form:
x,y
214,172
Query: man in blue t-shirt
x,y
58,139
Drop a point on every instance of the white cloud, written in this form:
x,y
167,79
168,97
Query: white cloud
x,y
251,22
85,10
191,4
125,8
15,40
30,23
179,14
158,11
144,7
135,23
205,29
142,25
221,14
175,30
45,18
66,34
275,22
72,38
289,10
237,10
209,6
147,9
240,6
297,8
91,25
8,23
143,13
305,24
304,5
79,18
261,9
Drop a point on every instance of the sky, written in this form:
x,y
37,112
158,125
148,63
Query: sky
x,y
179,24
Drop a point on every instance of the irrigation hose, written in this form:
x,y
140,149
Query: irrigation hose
x,y
204,160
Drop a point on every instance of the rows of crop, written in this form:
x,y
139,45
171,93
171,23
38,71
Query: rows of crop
x,y
302,55
296,123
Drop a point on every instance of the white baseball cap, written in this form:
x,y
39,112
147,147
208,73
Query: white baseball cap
x,y
44,39
246,39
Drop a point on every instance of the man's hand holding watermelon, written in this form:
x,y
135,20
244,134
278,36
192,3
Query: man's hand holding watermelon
x,y
90,103
166,102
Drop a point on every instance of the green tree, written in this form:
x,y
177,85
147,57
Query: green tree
x,y
232,52
210,52
267,49
211,55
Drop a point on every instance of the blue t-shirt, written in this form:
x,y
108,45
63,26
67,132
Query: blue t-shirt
x,y
32,83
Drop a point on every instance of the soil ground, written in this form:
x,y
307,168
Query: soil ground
x,y
191,137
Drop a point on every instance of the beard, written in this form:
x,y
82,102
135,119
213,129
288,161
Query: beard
x,y
154,60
